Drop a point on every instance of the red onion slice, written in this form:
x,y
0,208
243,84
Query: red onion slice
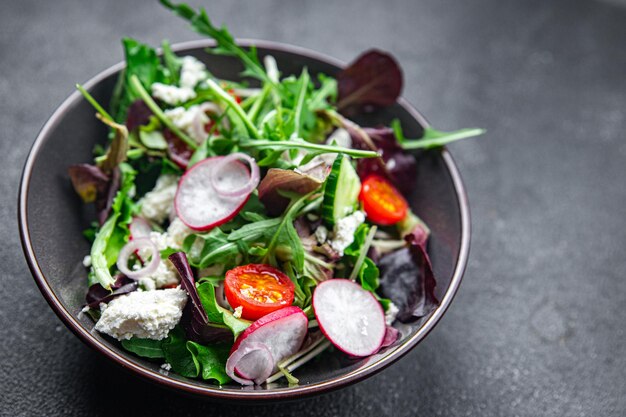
x,y
245,189
139,228
252,360
130,248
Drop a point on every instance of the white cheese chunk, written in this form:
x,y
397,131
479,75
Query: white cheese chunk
x,y
192,72
391,313
143,314
343,232
171,94
321,234
177,232
157,204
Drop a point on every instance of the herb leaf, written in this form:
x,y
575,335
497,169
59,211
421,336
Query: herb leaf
x,y
226,45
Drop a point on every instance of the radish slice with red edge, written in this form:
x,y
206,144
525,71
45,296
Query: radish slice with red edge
x,y
252,359
282,331
199,205
131,247
224,187
349,316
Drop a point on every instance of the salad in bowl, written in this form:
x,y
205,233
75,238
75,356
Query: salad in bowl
x,y
243,228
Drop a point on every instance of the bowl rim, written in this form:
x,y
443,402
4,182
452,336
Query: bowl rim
x,y
207,390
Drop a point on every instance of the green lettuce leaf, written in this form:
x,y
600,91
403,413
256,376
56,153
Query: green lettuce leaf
x,y
218,314
146,348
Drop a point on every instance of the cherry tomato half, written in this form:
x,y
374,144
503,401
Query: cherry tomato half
x,y
258,289
381,201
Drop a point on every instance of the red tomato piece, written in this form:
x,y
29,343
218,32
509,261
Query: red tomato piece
x,y
381,201
258,289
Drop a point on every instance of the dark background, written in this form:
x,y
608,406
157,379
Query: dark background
x,y
538,326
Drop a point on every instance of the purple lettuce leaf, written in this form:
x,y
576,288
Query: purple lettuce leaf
x,y
201,332
396,165
195,320
188,282
138,115
94,186
177,149
98,294
104,201
373,80
88,181
407,279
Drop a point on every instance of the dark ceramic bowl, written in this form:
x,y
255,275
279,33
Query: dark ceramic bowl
x,y
52,217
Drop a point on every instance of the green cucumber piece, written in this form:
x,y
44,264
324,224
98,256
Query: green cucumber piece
x,y
341,192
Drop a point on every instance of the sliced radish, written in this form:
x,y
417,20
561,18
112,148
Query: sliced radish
x,y
199,205
349,316
253,361
282,331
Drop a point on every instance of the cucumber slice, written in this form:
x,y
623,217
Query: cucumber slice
x,y
342,189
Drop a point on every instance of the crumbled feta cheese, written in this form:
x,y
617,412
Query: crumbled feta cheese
x,y
157,204
87,261
321,234
147,284
82,312
166,367
171,94
192,72
343,233
187,119
341,137
164,275
238,311
194,119
143,314
391,313
177,232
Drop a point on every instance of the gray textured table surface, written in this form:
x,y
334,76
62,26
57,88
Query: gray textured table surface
x,y
538,325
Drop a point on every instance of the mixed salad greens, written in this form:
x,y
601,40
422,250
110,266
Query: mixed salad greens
x,y
246,226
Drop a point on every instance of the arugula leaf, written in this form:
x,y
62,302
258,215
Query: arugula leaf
x,y
146,348
141,61
218,314
172,62
211,359
226,45
216,247
299,108
327,92
285,234
432,138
